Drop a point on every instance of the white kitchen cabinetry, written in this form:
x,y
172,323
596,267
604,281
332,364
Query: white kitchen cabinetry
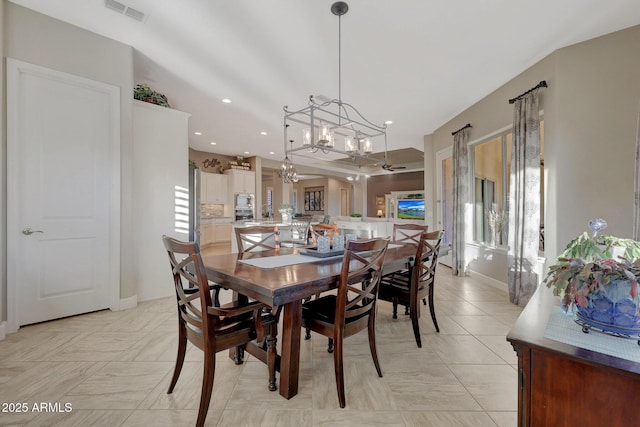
x,y
212,232
214,188
222,232
241,181
207,230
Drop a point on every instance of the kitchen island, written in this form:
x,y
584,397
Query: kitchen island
x,y
215,230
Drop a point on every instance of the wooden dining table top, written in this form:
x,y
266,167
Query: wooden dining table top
x,y
280,285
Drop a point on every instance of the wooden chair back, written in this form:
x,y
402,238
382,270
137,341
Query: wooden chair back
x,y
408,233
359,279
191,285
327,230
257,238
427,259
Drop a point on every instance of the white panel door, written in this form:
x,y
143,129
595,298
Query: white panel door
x,y
63,194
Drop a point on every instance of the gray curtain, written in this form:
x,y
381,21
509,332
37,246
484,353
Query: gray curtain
x,y
460,201
524,200
636,198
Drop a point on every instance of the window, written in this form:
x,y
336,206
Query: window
x,y
491,166
269,205
294,201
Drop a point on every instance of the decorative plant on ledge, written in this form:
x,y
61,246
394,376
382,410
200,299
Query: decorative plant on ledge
x,y
144,93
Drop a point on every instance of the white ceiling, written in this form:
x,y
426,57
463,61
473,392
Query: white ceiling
x,y
416,62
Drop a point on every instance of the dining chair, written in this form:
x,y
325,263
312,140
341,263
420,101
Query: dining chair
x,y
323,230
353,307
408,233
257,238
409,287
210,328
300,230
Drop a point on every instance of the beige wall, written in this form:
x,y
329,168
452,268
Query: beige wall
x,y
44,41
379,185
590,113
199,157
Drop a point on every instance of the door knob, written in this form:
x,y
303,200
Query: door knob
x,y
27,231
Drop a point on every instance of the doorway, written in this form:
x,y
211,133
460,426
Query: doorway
x,y
63,192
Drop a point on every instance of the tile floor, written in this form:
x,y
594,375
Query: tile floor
x,y
113,369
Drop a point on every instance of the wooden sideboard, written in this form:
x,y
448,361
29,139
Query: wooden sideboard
x,y
562,385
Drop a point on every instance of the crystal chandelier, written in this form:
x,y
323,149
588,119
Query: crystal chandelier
x,y
287,171
326,121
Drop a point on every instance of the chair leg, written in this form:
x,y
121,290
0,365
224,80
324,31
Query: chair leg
x,y
330,346
272,356
372,342
238,357
207,387
307,334
432,309
395,308
414,313
182,349
339,368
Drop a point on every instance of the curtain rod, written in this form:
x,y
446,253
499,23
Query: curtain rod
x,y
543,83
468,125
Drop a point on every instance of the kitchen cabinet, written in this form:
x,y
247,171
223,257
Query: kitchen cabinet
x,y
207,233
214,188
212,232
241,181
222,232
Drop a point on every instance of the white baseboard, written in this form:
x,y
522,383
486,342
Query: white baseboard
x,y
127,303
3,330
489,281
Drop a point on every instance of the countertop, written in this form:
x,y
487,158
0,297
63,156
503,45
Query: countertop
x,y
217,219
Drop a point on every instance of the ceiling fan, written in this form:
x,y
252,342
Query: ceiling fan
x,y
386,166
391,168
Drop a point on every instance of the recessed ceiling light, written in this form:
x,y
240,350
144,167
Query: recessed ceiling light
x,y
272,152
388,122
197,133
213,143
349,178
226,100
263,133
246,152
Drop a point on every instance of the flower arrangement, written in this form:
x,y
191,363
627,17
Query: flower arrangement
x,y
496,219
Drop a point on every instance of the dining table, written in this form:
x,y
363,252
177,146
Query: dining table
x,y
282,278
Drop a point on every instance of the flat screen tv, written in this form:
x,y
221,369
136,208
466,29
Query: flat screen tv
x,y
411,209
